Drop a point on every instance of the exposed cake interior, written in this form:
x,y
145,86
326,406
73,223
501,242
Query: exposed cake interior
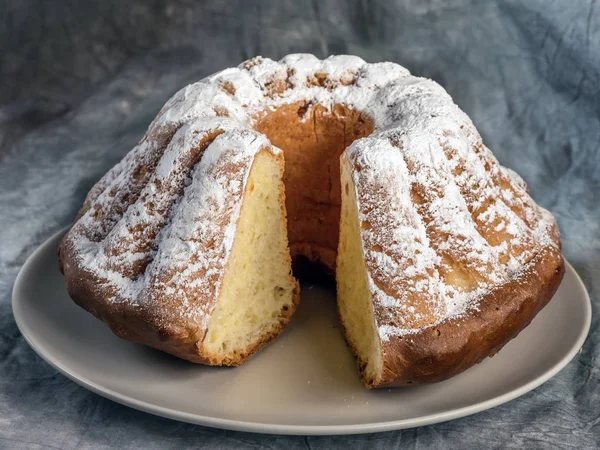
x,y
258,291
313,138
354,299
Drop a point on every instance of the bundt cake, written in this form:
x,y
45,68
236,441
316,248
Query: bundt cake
x,y
439,253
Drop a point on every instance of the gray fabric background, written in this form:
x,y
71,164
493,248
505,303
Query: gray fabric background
x,y
80,81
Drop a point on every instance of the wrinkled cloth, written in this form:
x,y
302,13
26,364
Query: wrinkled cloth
x,y
81,81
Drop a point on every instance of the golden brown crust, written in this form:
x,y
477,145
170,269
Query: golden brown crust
x,y
437,353
140,325
146,325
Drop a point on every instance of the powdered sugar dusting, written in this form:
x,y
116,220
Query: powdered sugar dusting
x,y
195,244
442,222
429,171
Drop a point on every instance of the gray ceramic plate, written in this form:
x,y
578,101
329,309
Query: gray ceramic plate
x,y
303,383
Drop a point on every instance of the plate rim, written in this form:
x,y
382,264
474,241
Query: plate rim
x,y
268,428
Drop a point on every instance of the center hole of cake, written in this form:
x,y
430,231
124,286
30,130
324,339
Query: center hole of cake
x,y
312,138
